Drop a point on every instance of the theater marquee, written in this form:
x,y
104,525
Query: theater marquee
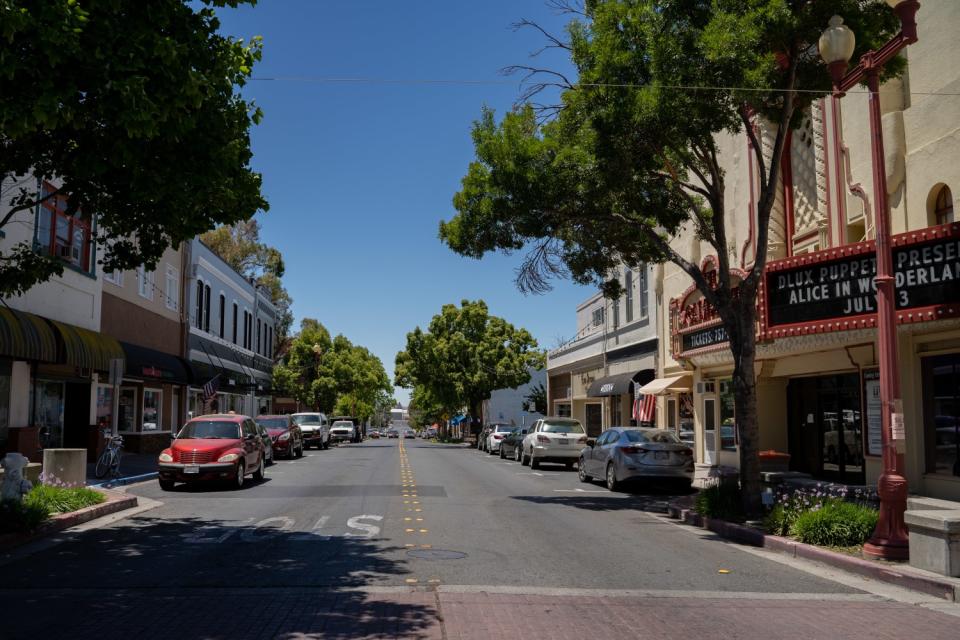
x,y
834,290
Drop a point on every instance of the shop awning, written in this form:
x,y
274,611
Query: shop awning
x,y
26,336
88,349
150,364
662,386
611,385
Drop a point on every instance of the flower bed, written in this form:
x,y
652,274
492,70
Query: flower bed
x,y
823,516
40,503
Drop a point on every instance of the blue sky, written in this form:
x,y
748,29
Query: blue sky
x,y
358,174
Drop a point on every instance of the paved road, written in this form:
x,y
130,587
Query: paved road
x,y
409,539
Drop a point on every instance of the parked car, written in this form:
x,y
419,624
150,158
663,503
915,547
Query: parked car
x,y
393,433
285,436
430,433
497,433
374,433
484,437
553,440
512,444
343,431
357,426
213,447
315,429
268,453
621,454
409,433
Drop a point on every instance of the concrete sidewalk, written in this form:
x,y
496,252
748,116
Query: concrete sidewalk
x,y
133,467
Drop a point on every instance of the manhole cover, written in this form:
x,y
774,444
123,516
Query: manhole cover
x,y
436,554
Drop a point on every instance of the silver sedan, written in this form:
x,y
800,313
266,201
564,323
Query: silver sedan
x,y
623,453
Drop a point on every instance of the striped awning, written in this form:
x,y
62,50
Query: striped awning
x,y
26,336
88,349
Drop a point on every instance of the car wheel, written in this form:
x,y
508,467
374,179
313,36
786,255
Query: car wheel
x,y
534,463
612,483
300,451
260,473
238,475
490,451
582,472
270,459
166,485
524,459
503,453
518,454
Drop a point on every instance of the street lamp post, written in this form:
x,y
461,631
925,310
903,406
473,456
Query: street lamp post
x,y
889,540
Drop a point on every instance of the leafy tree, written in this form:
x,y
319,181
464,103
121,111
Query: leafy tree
x,y
628,161
132,109
331,374
464,355
424,409
538,398
239,245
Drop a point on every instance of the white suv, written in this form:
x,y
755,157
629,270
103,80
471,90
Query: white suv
x,y
315,429
342,431
553,440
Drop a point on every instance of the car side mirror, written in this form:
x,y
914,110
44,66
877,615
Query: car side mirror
x,y
591,442
251,436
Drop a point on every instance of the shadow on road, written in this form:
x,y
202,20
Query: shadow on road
x,y
201,579
649,498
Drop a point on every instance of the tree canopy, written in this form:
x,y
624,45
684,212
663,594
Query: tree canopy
x,y
239,245
463,356
132,110
627,160
331,374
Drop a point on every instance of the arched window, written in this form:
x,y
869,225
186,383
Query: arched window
x,y
943,207
206,308
223,315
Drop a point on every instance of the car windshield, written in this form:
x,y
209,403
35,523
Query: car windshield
x,y
502,428
661,436
342,423
210,430
571,426
272,423
306,418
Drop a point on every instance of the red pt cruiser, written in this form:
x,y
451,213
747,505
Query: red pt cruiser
x,y
214,447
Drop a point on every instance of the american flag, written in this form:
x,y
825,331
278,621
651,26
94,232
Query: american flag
x,y
210,389
644,408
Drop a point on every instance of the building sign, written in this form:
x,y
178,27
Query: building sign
x,y
152,372
704,338
871,411
835,289
607,388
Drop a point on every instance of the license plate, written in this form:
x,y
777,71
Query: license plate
x,y
191,468
661,455
563,441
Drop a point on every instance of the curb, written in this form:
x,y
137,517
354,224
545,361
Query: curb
x,y
119,482
894,574
115,502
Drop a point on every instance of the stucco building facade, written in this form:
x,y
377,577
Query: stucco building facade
x,y
817,351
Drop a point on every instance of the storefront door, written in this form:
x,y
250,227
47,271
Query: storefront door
x,y
594,419
825,427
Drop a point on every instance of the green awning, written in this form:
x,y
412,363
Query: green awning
x,y
85,348
26,336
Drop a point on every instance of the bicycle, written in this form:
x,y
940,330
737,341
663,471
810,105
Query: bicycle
x,y
109,460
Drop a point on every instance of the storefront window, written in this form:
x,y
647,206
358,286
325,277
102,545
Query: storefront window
x,y
685,416
48,412
104,406
152,401
728,426
127,416
941,401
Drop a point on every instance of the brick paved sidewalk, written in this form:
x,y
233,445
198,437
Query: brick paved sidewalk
x,y
289,614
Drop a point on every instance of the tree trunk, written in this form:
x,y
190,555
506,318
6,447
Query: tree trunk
x,y
743,344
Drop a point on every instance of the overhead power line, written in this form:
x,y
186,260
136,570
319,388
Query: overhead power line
x,y
476,82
